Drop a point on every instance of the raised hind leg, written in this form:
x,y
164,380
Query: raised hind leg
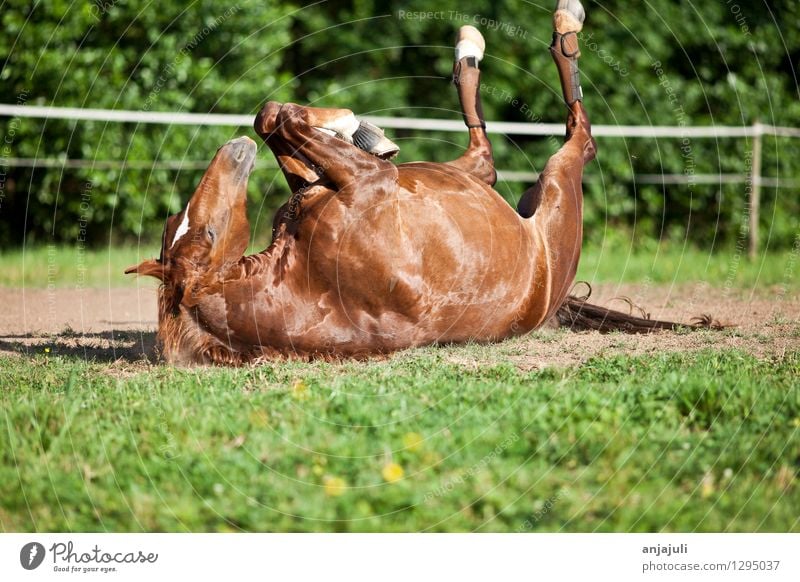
x,y
565,167
555,202
477,160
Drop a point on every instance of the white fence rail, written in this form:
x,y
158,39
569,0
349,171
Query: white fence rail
x,y
507,128
755,132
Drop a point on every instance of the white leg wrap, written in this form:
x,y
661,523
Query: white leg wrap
x,y
467,48
345,125
326,131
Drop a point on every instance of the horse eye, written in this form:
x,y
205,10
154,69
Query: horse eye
x,y
212,236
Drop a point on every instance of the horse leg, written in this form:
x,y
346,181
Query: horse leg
x,y
303,175
297,169
299,176
308,134
477,160
562,175
555,202
340,123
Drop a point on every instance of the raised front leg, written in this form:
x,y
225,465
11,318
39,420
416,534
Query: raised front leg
x,y
307,136
477,160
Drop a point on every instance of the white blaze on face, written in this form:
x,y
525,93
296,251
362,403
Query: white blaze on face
x,y
183,227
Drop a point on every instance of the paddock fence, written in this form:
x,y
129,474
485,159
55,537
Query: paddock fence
x,y
754,132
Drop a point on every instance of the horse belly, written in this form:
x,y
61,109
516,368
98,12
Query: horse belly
x,y
429,265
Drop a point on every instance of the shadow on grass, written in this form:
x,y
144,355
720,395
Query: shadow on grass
x,y
105,346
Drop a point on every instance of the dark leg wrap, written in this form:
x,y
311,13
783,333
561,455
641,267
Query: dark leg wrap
x,y
565,51
467,77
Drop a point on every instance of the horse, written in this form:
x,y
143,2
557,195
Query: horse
x,y
369,257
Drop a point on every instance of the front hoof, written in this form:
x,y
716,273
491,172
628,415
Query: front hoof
x,y
371,139
569,16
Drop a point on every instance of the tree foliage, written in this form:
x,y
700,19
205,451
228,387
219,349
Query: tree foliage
x,y
651,63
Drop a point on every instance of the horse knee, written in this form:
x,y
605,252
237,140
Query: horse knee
x,y
485,170
265,122
291,119
589,150
580,128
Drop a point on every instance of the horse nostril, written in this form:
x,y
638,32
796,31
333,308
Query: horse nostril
x,y
240,148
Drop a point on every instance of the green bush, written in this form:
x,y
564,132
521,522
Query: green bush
x,y
725,65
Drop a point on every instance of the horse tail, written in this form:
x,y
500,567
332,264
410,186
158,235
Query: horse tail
x,y
578,314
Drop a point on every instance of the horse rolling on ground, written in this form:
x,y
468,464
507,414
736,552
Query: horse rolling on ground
x,y
369,257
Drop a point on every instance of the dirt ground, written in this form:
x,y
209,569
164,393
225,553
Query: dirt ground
x,y
105,324
119,325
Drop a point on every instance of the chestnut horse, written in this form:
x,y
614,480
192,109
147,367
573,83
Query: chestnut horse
x,y
370,257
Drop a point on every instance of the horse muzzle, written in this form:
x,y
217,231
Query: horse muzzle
x,y
241,154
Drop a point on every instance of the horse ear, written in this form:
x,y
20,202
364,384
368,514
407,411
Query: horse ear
x,y
150,267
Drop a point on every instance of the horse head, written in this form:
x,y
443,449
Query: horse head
x,y
212,231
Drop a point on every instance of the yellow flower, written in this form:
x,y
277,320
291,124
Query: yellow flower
x,y
707,485
392,472
413,441
300,390
334,486
47,350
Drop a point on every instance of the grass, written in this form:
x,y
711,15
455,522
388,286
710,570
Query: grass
x,y
652,263
69,266
427,440
683,442
675,264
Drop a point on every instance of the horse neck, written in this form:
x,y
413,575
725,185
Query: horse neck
x,y
270,263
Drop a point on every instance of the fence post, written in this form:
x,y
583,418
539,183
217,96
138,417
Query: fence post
x,y
755,188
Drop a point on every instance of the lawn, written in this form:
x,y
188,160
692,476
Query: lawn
x,y
432,439
681,442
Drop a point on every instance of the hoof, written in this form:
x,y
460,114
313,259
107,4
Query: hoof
x,y
470,43
371,139
569,16
574,7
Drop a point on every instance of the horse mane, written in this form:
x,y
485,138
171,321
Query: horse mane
x,y
578,314
182,340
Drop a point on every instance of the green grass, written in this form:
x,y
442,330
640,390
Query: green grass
x,y
705,442
675,264
69,266
649,263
